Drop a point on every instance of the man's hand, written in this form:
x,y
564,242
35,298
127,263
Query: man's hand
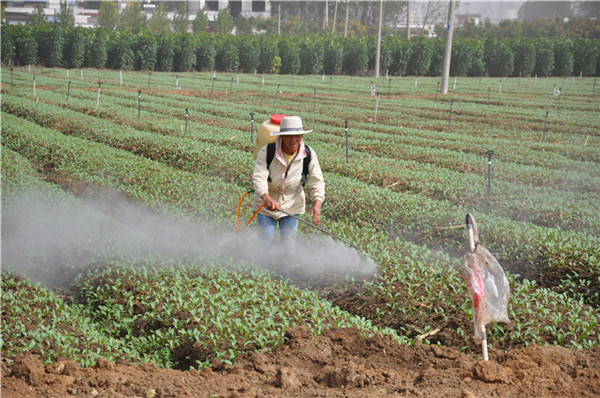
x,y
315,212
270,204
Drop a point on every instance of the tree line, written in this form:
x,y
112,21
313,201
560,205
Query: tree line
x,y
52,45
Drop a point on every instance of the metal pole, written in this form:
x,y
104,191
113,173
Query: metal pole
x,y
559,94
68,90
437,89
98,99
489,154
346,121
186,119
450,114
251,127
545,127
11,79
376,106
231,87
212,90
276,91
34,93
314,100
139,105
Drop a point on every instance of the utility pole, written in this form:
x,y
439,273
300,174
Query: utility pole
x,y
326,14
378,52
334,17
408,19
448,49
347,13
278,19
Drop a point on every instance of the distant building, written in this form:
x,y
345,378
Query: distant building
x,y
86,12
461,19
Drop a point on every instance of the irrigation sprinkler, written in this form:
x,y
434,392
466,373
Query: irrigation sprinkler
x,y
139,105
30,70
416,80
559,94
237,78
251,127
121,77
500,88
34,91
437,90
346,122
68,90
489,189
149,79
314,100
98,99
276,91
81,74
545,126
186,119
450,114
376,106
263,80
455,77
176,82
231,87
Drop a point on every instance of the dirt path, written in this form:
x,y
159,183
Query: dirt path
x,y
339,363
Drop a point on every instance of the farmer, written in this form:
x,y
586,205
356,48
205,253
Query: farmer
x,y
279,181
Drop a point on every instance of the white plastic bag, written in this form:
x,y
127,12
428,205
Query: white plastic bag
x,y
488,286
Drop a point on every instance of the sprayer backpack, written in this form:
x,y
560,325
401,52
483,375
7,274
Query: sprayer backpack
x,y
305,161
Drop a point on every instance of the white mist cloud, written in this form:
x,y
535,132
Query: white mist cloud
x,y
50,237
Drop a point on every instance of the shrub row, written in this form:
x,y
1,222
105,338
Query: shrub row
x,y
140,49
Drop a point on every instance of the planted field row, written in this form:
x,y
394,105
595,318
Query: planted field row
x,y
414,217
406,268
552,208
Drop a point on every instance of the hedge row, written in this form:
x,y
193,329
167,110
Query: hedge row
x,y
55,46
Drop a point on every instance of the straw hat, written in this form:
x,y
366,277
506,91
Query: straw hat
x,y
290,125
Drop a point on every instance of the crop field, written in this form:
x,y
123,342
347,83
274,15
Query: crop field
x,y
120,192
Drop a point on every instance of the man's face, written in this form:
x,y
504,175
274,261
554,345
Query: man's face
x,y
291,143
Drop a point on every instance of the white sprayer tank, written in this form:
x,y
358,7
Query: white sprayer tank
x,y
264,136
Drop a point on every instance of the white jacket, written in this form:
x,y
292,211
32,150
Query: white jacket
x,y
288,191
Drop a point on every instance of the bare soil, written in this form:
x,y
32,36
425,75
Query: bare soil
x,y
338,363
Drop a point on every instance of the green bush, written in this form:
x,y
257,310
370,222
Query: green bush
x,y
145,50
585,57
184,59
51,42
249,53
289,51
563,57
226,58
356,57
165,52
120,53
401,51
499,58
75,42
420,56
333,52
544,58
311,55
205,52
97,48
524,56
